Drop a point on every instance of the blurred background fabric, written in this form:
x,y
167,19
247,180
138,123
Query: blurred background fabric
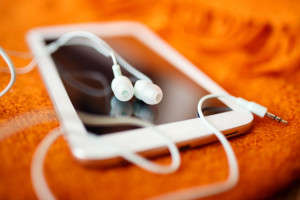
x,y
250,48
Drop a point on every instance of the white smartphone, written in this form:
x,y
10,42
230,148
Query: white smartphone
x,y
78,80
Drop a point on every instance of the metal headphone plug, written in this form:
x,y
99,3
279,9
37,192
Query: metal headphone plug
x,y
258,110
276,118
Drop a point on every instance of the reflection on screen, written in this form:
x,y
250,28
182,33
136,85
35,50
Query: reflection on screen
x,y
87,76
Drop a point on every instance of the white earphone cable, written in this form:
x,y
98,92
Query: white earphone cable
x,y
20,54
215,188
233,175
22,70
43,191
99,45
40,185
11,69
96,120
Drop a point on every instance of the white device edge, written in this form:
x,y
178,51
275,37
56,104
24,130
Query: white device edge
x,y
84,146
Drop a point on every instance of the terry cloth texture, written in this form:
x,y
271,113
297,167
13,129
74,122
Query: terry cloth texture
x,y
250,48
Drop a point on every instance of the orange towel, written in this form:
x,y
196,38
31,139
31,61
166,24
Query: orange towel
x,y
250,48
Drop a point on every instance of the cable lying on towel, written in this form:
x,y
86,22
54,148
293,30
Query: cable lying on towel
x,y
12,72
37,175
233,175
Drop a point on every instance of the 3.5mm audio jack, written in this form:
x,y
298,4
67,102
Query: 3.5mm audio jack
x,y
258,110
275,118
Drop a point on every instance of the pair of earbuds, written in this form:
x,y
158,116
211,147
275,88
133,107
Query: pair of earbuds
x,y
143,90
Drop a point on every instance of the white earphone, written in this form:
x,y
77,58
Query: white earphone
x,y
144,90
148,92
121,85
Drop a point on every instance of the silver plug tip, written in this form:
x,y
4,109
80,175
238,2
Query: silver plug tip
x,y
276,118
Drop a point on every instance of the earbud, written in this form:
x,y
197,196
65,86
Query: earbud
x,y
121,85
147,92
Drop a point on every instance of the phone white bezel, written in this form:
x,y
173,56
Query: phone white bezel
x,y
87,147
